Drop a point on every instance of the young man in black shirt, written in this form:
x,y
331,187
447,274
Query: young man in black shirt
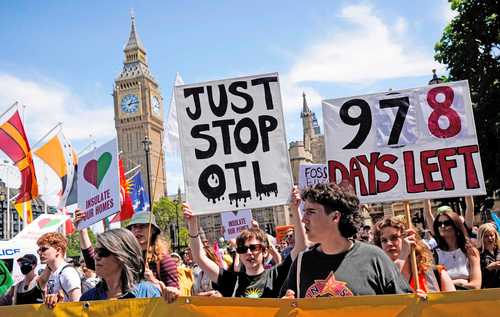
x,y
337,265
252,246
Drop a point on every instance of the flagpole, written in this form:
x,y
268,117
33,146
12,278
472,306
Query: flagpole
x,y
92,142
25,215
9,224
132,170
8,109
46,134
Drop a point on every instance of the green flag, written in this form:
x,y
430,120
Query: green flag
x,y
6,279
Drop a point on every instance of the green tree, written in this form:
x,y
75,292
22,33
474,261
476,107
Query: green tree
x,y
470,49
74,243
168,214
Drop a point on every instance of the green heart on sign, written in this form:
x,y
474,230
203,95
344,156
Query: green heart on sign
x,y
103,164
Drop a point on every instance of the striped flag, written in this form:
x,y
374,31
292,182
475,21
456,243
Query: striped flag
x,y
14,143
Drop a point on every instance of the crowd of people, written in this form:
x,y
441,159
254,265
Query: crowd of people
x,y
328,252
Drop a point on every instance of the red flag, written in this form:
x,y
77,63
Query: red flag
x,y
127,210
14,143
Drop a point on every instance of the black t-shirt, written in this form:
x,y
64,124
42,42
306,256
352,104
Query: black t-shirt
x,y
265,285
490,279
27,295
362,270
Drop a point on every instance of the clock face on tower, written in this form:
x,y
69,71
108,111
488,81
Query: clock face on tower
x,y
155,105
130,103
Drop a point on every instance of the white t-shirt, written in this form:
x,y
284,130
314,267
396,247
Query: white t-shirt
x,y
65,278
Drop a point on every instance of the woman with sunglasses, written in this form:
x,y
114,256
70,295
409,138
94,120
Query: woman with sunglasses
x,y
455,252
119,263
489,246
253,281
390,235
160,270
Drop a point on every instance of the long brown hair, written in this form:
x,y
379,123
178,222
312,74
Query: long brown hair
x,y
158,248
460,232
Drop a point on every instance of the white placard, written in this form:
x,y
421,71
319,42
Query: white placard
x,y
312,174
409,144
41,225
235,221
233,144
99,184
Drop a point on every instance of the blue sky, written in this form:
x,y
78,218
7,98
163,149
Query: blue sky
x,y
60,58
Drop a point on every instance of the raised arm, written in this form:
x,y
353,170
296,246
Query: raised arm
x,y
208,266
296,219
428,216
469,211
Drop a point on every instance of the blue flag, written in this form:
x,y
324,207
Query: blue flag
x,y
138,194
496,219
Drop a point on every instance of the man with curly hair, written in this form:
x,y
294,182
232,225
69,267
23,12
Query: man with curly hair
x,y
64,281
337,265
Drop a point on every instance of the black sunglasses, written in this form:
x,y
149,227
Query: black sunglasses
x,y
446,223
102,252
242,249
42,249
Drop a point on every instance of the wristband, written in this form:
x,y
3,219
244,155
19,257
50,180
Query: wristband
x,y
195,236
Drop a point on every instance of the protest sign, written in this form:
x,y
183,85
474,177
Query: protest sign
x,y
42,224
312,174
99,184
233,145
408,144
235,221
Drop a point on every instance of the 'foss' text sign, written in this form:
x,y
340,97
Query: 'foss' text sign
x,y
233,145
409,144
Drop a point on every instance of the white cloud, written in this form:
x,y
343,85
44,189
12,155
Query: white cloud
x,y
48,103
292,94
364,50
401,25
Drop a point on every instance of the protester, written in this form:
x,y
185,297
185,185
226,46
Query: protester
x,y
289,239
119,263
489,241
64,283
27,290
89,277
202,282
456,252
252,246
337,265
390,235
160,266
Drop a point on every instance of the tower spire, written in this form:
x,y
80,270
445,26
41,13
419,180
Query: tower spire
x,y
134,42
305,107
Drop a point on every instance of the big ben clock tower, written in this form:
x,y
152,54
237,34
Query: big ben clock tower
x,y
139,113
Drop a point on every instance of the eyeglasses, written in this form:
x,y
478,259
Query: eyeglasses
x,y
446,223
102,252
242,249
392,238
42,249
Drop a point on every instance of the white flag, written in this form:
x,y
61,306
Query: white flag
x,y
172,135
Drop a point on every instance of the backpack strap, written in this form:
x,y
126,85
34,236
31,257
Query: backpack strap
x,y
299,268
59,278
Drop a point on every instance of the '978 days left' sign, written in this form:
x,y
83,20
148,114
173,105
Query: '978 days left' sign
x,y
409,144
233,144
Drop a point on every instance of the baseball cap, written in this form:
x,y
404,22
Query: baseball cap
x,y
28,258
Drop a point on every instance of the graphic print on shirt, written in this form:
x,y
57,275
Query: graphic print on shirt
x,y
253,293
328,287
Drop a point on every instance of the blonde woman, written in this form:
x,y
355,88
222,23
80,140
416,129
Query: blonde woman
x,y
489,246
